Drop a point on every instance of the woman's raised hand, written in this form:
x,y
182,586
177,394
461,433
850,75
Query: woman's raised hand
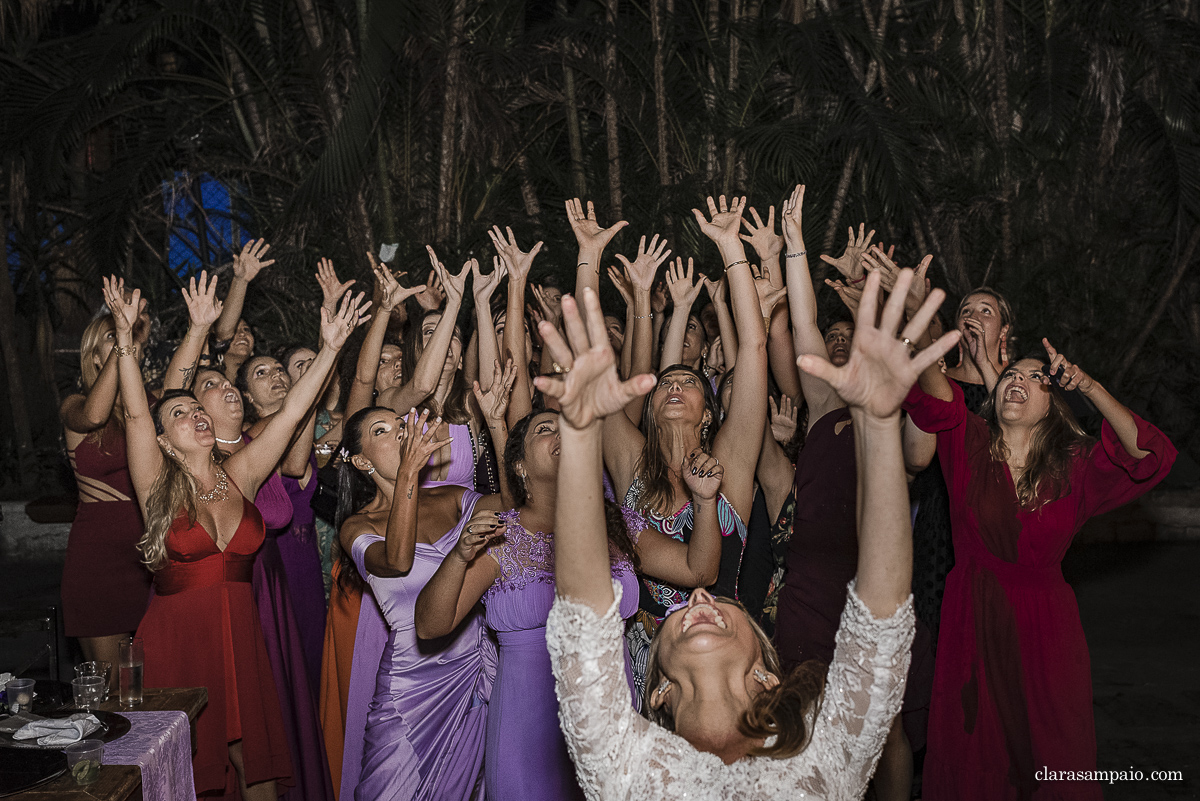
x,y
484,286
762,236
351,313
332,289
642,269
783,419
883,367
769,295
248,264
124,312
588,233
432,297
621,281
702,474
453,286
494,402
517,260
849,263
550,311
479,532
850,295
201,299
877,259
726,222
586,384
679,284
792,217
420,442
1073,376
391,294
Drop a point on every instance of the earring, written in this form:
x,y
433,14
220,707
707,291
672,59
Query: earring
x,y
704,432
663,686
371,470
760,676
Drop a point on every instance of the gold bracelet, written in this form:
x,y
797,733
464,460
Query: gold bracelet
x,y
125,350
736,263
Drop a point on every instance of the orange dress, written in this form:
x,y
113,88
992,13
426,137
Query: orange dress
x,y
202,630
340,628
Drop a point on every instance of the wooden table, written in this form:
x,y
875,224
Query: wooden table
x,y
122,782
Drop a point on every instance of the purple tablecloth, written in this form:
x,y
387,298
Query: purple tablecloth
x,y
160,743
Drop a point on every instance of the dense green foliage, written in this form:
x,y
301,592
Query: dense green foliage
x,y
1049,148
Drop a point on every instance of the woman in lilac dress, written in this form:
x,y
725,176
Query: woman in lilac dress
x,y
424,736
527,756
275,612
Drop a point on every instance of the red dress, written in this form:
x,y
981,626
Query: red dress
x,y
105,586
202,630
1012,688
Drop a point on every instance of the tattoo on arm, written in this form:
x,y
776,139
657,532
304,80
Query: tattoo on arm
x,y
187,374
410,489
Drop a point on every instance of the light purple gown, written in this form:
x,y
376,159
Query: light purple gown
x,y
527,757
297,702
425,730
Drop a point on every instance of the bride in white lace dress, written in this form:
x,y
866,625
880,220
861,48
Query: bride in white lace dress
x,y
741,731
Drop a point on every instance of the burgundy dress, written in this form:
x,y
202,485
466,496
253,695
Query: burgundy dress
x,y
1012,690
822,559
202,630
105,586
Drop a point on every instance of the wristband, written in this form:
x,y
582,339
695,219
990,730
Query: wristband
x,y
854,281
736,263
125,350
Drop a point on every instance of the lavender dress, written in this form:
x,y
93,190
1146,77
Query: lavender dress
x,y
297,703
526,754
426,724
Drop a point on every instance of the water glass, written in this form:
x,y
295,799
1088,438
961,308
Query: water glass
x,y
18,694
89,692
84,758
132,662
96,668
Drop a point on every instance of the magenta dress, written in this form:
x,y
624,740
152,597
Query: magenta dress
x,y
527,756
305,581
1012,686
297,703
426,724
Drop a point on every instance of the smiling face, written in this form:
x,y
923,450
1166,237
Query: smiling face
x,y
383,432
837,342
187,428
298,362
453,353
242,344
220,399
679,397
267,384
706,636
1021,398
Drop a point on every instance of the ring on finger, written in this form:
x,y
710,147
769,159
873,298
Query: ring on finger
x,y
908,344
559,369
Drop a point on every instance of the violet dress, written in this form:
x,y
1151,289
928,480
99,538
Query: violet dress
x,y
297,704
426,725
371,636
527,756
302,563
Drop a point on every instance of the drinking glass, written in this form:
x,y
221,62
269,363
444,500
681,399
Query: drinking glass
x,y
84,758
18,694
89,692
96,668
132,661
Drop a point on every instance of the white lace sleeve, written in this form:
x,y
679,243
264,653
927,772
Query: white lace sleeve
x,y
864,690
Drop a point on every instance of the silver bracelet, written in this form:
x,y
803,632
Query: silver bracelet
x,y
796,255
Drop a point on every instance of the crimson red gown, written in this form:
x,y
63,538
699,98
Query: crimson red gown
x,y
202,630
1012,687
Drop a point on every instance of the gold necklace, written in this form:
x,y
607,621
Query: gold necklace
x,y
218,493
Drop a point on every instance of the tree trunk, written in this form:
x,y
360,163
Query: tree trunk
x,y
835,213
1003,121
16,384
1181,267
528,191
660,90
610,109
253,118
445,199
312,25
712,18
574,134
735,44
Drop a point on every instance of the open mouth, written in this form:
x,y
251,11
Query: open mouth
x,y
703,614
202,425
1016,394
674,397
232,397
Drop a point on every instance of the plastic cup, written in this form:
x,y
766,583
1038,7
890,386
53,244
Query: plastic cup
x,y
89,691
83,760
18,694
96,668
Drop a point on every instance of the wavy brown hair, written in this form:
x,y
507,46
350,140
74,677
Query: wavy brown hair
x,y
173,491
653,471
1057,440
781,712
455,410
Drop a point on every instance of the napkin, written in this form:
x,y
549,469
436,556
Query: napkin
x,y
59,731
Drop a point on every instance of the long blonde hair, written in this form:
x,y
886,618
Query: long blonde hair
x,y
175,489
89,346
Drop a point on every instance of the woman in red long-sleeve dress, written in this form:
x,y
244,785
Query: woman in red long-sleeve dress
x,y
1012,693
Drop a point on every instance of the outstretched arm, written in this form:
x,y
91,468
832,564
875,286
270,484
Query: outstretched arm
x,y
683,295
874,382
145,456
641,272
246,266
203,310
82,414
391,295
697,562
590,391
518,263
592,240
251,466
483,287
1115,412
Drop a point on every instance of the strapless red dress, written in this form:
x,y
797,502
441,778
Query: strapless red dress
x,y
202,630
